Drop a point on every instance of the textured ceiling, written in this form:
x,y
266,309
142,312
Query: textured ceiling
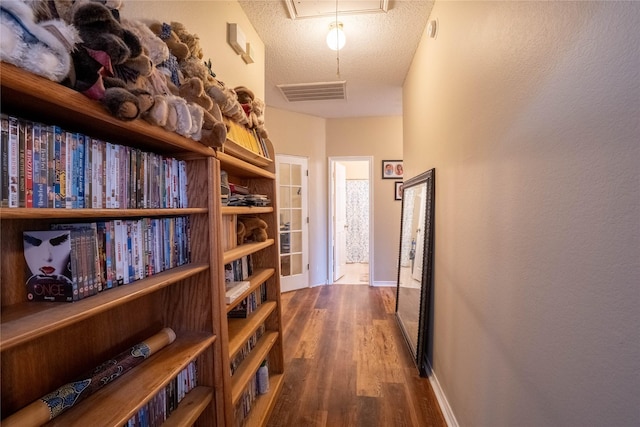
x,y
374,62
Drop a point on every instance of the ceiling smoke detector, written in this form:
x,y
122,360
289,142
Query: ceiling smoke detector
x,y
321,91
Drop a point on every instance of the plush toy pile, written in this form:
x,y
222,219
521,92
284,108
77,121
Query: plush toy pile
x,y
136,69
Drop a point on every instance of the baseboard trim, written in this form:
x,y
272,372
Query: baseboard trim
x,y
445,408
381,284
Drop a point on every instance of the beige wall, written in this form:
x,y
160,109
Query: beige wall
x,y
318,139
302,135
356,169
529,112
380,137
208,19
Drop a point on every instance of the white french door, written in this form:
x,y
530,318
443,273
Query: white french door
x,y
291,176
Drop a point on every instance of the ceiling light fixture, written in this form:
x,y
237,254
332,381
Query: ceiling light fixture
x,y
336,38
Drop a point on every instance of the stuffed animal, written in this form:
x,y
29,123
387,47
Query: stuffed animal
x,y
254,108
213,132
178,51
251,228
41,47
257,114
105,45
193,69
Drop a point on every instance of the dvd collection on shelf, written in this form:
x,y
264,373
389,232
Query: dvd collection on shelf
x,y
249,304
160,407
45,166
258,385
237,358
75,261
239,195
238,270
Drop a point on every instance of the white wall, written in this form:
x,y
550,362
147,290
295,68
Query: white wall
x,y
530,114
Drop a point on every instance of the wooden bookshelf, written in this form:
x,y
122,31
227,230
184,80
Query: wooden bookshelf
x,y
266,269
46,345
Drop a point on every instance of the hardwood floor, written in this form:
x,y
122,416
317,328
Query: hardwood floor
x,y
347,364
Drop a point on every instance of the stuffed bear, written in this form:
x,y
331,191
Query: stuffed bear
x,y
42,47
251,228
193,66
193,69
257,114
178,51
254,108
105,45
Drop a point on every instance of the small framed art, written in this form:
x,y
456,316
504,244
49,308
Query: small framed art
x,y
398,191
392,169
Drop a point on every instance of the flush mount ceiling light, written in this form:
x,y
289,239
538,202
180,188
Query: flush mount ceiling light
x,y
336,38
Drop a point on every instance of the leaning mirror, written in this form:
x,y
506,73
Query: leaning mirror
x,y
415,265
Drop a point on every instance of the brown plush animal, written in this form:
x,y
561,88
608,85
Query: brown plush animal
x,y
105,46
251,228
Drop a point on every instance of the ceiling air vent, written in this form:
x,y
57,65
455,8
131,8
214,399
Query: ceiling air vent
x,y
322,91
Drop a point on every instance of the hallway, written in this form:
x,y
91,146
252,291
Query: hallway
x,y
347,363
355,273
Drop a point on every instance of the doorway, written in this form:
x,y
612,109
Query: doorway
x,y
351,220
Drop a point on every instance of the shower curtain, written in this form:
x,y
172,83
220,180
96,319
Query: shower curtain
x,y
357,220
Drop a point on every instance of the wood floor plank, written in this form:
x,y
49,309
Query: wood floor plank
x,y
312,333
347,363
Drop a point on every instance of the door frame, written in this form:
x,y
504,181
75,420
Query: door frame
x,y
331,225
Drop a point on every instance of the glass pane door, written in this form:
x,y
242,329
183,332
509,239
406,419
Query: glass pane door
x,y
292,213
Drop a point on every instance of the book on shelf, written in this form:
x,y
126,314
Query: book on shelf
x,y
51,274
236,359
4,160
238,269
91,266
47,166
235,289
158,409
249,304
79,260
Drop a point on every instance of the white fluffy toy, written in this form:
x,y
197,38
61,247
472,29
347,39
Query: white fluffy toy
x,y
42,48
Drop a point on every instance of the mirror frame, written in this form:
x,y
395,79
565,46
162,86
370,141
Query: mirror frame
x,y
420,349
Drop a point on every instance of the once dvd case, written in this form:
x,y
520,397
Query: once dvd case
x,y
48,256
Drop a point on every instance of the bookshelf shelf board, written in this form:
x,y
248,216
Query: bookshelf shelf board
x,y
262,407
250,365
29,320
245,210
240,330
246,249
113,405
32,94
240,168
237,150
190,408
256,279
37,213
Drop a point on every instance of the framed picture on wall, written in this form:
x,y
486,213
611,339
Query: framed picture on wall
x,y
392,169
398,190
